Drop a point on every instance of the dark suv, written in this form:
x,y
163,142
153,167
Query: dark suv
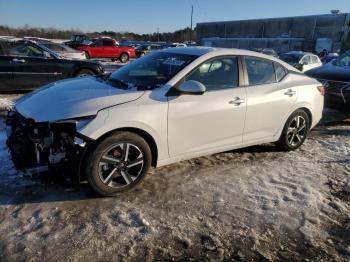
x,y
25,66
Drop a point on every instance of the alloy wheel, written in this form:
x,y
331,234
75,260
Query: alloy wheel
x,y
121,165
297,130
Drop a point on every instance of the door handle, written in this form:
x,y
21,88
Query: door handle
x,y
290,92
16,60
237,101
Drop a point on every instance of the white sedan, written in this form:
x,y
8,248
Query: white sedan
x,y
303,61
169,106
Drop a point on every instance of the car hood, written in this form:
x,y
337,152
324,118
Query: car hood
x,y
330,72
73,98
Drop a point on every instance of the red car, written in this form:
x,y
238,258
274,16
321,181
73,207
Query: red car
x,y
107,48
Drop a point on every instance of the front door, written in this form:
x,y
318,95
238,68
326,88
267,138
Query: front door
x,y
199,123
32,67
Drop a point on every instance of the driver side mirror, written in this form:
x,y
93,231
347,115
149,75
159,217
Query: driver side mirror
x,y
192,87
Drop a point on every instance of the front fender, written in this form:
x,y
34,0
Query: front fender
x,y
151,119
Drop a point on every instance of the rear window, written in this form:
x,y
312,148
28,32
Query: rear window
x,y
314,59
260,71
280,71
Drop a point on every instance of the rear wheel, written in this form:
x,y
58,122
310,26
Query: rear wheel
x,y
84,72
295,131
118,163
124,57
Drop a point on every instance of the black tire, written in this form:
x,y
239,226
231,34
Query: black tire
x,y
124,57
108,177
294,134
84,72
87,55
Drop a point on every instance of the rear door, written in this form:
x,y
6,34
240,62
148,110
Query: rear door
x,y
6,70
32,68
269,98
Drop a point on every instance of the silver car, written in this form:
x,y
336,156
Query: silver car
x,y
169,106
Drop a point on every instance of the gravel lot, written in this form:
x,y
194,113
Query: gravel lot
x,y
250,204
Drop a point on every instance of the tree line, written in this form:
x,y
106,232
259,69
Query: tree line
x,y
54,33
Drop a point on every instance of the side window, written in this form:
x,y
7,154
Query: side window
x,y
23,49
107,43
314,59
217,74
306,60
99,43
260,71
280,71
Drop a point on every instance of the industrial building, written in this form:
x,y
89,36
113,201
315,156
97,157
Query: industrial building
x,y
306,33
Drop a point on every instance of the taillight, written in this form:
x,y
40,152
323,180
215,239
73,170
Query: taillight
x,y
322,90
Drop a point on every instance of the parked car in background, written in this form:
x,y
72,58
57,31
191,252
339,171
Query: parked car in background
x,y
60,50
75,40
329,57
302,61
168,106
335,77
107,48
146,48
176,45
24,65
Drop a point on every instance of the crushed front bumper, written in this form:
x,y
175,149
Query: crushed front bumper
x,y
54,148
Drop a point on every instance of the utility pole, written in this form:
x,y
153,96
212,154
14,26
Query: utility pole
x,y
158,33
191,24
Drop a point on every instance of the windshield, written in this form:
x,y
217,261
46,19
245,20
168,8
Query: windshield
x,y
291,59
343,60
151,71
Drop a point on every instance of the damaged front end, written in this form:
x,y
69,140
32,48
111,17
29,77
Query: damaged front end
x,y
55,148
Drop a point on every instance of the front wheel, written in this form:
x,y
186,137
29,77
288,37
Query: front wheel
x,y
295,131
118,163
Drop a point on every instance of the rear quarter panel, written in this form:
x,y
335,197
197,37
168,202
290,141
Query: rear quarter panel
x,y
308,97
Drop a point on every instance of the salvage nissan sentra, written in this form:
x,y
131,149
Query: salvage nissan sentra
x,y
169,106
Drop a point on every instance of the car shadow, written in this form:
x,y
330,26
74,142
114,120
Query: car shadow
x,y
34,190
21,190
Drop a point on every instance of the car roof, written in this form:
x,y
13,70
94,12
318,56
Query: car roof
x,y
214,51
202,50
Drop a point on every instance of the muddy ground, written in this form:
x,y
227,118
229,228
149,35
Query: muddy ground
x,y
253,204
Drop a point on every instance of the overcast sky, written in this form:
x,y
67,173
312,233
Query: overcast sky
x,y
144,16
